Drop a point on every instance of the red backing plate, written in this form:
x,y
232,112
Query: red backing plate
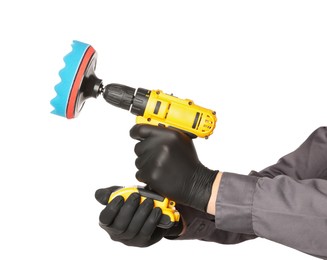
x,y
78,81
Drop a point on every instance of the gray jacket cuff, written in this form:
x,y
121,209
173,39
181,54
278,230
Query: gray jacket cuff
x,y
234,203
201,226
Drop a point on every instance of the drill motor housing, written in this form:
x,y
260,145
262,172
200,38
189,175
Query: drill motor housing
x,y
154,107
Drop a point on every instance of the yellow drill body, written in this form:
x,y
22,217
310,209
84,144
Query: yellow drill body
x,y
169,111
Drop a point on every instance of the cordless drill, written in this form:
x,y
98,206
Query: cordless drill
x,y
79,82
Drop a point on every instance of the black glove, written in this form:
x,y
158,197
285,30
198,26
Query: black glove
x,y
130,222
168,163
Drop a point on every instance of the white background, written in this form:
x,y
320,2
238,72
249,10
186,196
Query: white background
x,y
260,64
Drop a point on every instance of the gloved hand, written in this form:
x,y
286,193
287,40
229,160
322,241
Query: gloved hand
x,y
167,162
130,222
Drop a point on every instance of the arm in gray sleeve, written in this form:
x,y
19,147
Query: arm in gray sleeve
x,y
288,206
201,226
306,162
288,211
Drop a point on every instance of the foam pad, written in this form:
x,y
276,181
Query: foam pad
x,y
71,78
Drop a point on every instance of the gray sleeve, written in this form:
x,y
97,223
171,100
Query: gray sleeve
x,y
296,165
201,226
287,211
286,202
307,162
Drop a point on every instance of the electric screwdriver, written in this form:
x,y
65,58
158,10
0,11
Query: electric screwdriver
x,y
79,82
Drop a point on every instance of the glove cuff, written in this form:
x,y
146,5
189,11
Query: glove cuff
x,y
174,231
203,179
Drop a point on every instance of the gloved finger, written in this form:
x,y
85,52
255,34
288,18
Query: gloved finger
x,y
109,213
139,218
102,195
139,176
141,147
125,214
139,163
151,223
143,131
142,160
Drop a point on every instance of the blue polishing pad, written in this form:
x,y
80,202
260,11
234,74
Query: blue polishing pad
x,y
67,74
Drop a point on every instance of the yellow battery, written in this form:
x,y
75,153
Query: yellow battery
x,y
170,215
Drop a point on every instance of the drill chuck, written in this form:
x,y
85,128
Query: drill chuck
x,y
119,95
123,96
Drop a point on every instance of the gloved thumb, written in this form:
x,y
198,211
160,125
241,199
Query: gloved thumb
x,y
143,131
102,195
